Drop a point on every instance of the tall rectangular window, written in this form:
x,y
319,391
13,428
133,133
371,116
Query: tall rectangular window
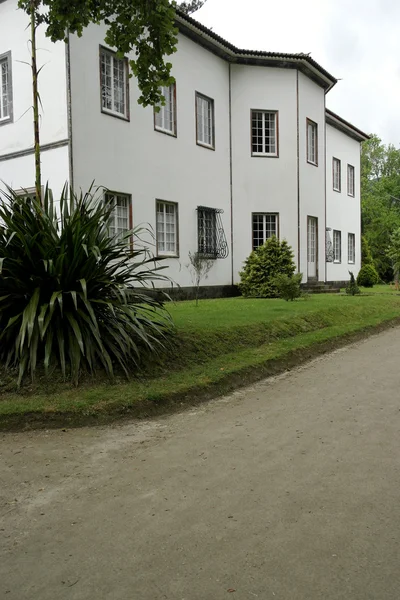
x,y
207,231
264,133
205,134
265,225
114,84
120,219
165,120
337,246
312,142
350,180
337,175
6,99
167,228
351,247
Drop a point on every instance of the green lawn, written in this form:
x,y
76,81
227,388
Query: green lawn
x,y
380,289
218,345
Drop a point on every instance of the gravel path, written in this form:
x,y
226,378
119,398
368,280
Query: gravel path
x,y
286,490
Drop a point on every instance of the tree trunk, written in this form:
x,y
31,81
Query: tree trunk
x,y
38,175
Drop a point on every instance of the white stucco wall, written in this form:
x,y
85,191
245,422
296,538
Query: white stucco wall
x,y
343,211
311,178
14,37
19,173
133,158
263,184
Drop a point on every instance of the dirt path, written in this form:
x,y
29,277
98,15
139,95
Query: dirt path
x,y
286,490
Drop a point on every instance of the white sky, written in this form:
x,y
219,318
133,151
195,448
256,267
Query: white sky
x,y
357,41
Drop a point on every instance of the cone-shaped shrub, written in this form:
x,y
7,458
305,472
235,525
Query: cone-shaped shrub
x,y
273,258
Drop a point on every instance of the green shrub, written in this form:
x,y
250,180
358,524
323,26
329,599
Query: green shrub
x,y
68,290
367,276
288,287
263,265
352,288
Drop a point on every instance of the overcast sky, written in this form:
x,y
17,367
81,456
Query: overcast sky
x,y
358,41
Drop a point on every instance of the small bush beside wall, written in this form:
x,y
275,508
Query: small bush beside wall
x,y
368,276
273,258
288,287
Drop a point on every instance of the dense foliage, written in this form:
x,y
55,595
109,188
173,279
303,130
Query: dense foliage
x,y
380,196
394,253
366,256
70,294
145,28
352,288
191,6
288,287
368,276
273,258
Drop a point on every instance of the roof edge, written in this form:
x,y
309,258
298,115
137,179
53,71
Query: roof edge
x,y
345,127
231,53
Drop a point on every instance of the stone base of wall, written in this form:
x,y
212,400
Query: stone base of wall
x,y
205,292
337,284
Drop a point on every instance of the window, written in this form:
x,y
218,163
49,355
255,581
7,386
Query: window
x,y
265,225
351,247
167,228
207,231
350,180
121,217
30,193
114,84
337,246
312,142
6,100
264,133
165,120
205,121
337,175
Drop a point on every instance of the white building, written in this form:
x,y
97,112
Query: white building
x,y
244,148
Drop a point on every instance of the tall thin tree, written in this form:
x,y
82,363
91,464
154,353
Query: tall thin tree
x,y
34,6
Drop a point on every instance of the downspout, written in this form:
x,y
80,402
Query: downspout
x,y
325,184
69,111
298,171
231,171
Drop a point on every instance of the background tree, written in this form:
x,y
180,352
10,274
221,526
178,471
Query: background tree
x,y
366,256
394,253
380,196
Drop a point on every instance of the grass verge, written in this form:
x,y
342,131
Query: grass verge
x,y
220,346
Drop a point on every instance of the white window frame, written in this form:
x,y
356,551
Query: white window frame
x,y
205,123
6,99
312,142
337,246
264,115
351,181
30,192
124,62
165,119
351,248
161,236
266,227
337,174
115,197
